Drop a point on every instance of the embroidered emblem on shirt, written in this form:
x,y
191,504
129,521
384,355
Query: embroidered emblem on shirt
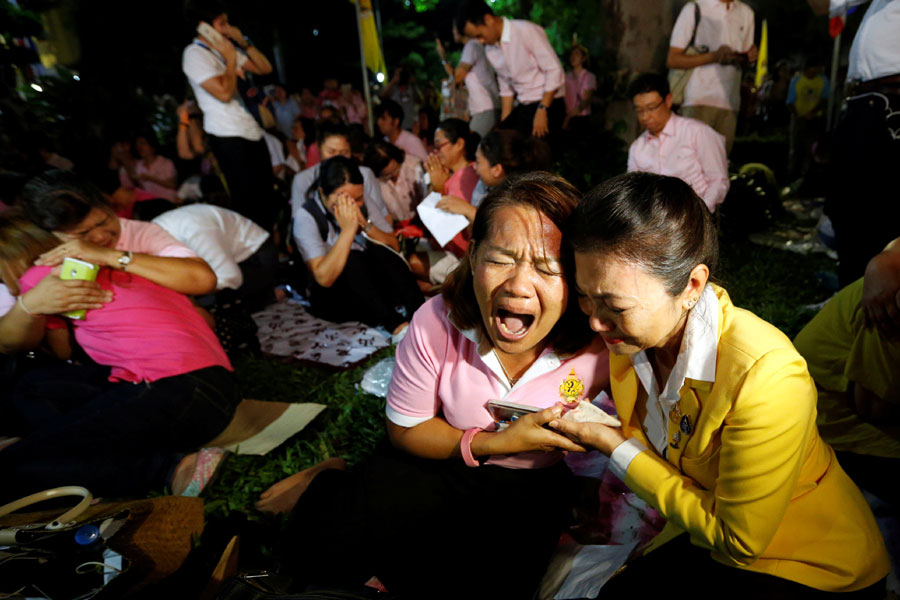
x,y
571,388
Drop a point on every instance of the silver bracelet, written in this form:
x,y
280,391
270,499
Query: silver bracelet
x,y
21,301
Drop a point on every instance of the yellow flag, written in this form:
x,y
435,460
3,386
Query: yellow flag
x,y
371,47
762,62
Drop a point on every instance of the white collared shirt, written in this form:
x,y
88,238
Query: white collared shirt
x,y
442,370
875,52
525,62
688,149
696,360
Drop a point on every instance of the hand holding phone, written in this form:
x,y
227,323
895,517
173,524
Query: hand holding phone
x,y
72,268
207,31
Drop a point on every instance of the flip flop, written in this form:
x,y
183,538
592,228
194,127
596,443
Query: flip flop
x,y
209,464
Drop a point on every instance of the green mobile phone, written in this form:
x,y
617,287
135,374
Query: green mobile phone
x,y
72,268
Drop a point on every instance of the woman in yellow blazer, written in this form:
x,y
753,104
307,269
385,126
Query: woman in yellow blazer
x,y
718,413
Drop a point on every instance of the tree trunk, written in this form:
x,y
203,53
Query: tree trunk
x,y
639,32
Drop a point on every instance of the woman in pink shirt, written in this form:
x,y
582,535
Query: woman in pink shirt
x,y
461,507
152,173
580,86
132,427
452,171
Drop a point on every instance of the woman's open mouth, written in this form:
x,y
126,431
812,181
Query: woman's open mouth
x,y
513,326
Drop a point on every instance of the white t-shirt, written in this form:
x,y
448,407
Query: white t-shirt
x,y
221,119
221,237
730,24
480,80
875,51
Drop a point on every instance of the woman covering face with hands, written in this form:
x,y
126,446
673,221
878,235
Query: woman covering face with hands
x,y
356,275
717,409
456,496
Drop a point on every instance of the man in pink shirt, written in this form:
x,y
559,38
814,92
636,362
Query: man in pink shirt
x,y
671,145
527,68
389,116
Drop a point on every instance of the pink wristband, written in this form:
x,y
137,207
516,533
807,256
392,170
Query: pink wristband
x,y
465,447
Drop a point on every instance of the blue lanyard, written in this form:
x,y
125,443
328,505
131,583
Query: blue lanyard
x,y
214,53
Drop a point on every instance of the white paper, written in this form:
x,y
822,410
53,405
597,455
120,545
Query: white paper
x,y
292,420
443,225
591,569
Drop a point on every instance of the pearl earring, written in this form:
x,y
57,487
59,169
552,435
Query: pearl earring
x,y
691,303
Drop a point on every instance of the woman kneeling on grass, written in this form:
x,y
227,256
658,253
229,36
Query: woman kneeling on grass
x,y
718,411
169,391
457,508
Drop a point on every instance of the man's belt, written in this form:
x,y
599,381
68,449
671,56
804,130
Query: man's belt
x,y
889,84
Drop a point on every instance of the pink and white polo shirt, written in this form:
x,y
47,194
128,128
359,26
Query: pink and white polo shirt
x,y
441,370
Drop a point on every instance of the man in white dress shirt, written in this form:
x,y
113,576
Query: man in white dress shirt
x,y
724,38
676,146
527,67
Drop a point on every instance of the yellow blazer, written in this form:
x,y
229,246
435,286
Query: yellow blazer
x,y
753,481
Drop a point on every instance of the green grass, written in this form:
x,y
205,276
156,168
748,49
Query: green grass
x,y
774,284
351,426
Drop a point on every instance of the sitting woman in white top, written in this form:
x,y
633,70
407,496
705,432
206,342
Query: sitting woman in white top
x,y
355,277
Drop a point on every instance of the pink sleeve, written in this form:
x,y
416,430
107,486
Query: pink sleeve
x,y
462,183
31,278
546,58
713,160
150,238
590,81
412,396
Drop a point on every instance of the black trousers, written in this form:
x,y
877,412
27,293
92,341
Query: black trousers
x,y
248,171
680,569
522,119
864,200
430,528
375,287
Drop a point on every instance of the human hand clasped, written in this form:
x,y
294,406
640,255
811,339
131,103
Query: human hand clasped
x,y
590,435
529,434
53,296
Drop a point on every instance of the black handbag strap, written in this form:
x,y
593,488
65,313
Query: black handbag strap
x,y
696,23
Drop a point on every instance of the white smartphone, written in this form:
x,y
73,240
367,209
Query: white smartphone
x,y
506,412
207,31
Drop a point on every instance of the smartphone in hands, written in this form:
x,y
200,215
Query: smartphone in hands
x,y
504,412
72,268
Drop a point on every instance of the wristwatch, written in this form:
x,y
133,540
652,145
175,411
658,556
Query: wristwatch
x,y
125,259
542,106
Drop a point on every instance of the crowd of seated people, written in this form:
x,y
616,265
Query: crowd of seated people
x,y
744,442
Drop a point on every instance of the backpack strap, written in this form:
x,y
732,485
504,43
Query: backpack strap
x,y
315,209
